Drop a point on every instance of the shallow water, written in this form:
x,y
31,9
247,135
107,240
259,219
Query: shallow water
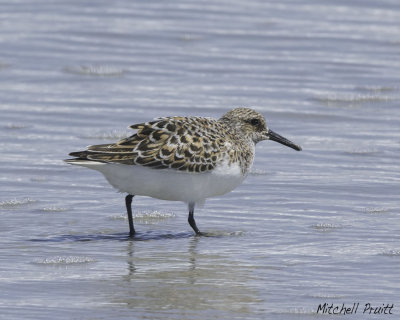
x,y
305,228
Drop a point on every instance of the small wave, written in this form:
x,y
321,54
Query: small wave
x,y
16,126
326,296
148,217
64,260
111,135
9,204
154,215
376,210
38,179
221,234
258,172
391,253
189,37
326,226
378,88
362,152
102,71
352,99
53,209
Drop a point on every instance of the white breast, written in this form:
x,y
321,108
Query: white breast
x,y
169,184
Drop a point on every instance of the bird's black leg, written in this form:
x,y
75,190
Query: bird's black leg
x,y
191,219
128,202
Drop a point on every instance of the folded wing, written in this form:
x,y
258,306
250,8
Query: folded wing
x,y
175,143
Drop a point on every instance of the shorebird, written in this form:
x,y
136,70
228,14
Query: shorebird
x,y
185,159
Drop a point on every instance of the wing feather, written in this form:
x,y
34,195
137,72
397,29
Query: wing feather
x,y
186,144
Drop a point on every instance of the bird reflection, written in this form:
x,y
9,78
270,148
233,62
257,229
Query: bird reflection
x,y
180,274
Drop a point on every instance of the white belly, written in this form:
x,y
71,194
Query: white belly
x,y
169,184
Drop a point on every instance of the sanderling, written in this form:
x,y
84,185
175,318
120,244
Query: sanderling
x,y
184,159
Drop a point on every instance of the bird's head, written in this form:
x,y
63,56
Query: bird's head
x,y
252,125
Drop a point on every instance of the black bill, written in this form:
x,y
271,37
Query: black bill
x,y
278,138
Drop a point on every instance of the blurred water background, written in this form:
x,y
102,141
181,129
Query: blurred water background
x,y
305,228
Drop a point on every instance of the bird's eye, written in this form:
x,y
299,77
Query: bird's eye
x,y
255,122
